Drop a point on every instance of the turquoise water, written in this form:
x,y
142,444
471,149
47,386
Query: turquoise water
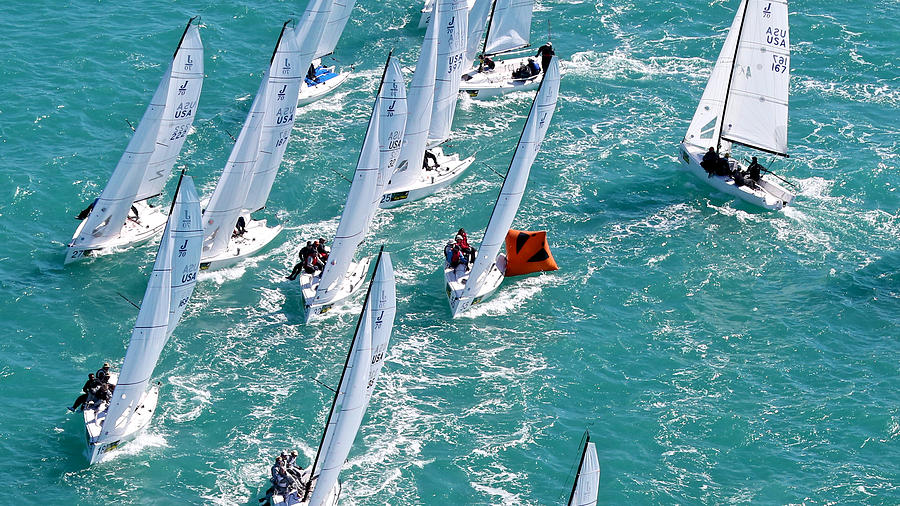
x,y
717,354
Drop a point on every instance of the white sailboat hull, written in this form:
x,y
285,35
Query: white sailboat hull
x,y
768,195
93,424
151,222
257,237
311,93
432,181
351,283
455,284
492,83
294,498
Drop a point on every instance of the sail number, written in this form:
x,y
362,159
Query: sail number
x,y
284,115
282,138
779,64
179,132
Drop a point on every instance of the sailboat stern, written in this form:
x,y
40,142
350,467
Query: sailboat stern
x,y
100,449
309,284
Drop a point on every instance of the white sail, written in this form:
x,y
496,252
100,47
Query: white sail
x,y
108,215
757,108
587,485
147,341
391,126
420,98
707,121
337,20
516,178
451,53
231,191
356,214
310,30
188,237
283,87
510,26
359,379
185,76
478,15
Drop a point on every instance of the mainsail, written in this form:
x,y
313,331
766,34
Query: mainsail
x,y
510,26
364,190
186,80
108,215
587,483
151,328
756,111
451,53
420,99
358,379
516,178
310,30
337,20
188,238
233,188
283,82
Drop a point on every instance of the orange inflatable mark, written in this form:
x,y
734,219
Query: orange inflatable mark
x,y
528,252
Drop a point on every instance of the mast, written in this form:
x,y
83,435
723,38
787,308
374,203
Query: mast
x,y
737,46
586,439
182,36
343,372
177,187
280,35
487,33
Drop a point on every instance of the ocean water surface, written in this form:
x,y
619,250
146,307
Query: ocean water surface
x,y
717,354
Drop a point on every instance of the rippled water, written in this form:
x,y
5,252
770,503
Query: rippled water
x,y
716,353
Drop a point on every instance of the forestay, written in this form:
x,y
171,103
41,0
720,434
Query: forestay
x,y
185,76
588,482
233,188
757,106
357,211
516,178
108,215
420,99
510,26
478,15
188,236
283,83
151,330
451,53
337,20
359,378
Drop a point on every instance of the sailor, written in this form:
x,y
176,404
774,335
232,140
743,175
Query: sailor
x,y
486,64
311,74
90,386
240,227
102,393
312,262
87,210
434,162
738,177
279,481
546,53
710,159
754,169
299,265
323,250
723,168
533,68
103,373
462,239
292,467
456,257
522,72
134,210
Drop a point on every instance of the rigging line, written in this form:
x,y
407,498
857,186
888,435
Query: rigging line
x,y
492,170
339,174
129,124
127,299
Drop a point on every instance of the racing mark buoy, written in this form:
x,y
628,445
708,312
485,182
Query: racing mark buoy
x,y
528,252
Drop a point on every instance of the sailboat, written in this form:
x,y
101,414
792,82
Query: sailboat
x,y
122,216
109,424
587,482
229,231
327,78
412,179
466,288
341,276
508,31
746,102
362,368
